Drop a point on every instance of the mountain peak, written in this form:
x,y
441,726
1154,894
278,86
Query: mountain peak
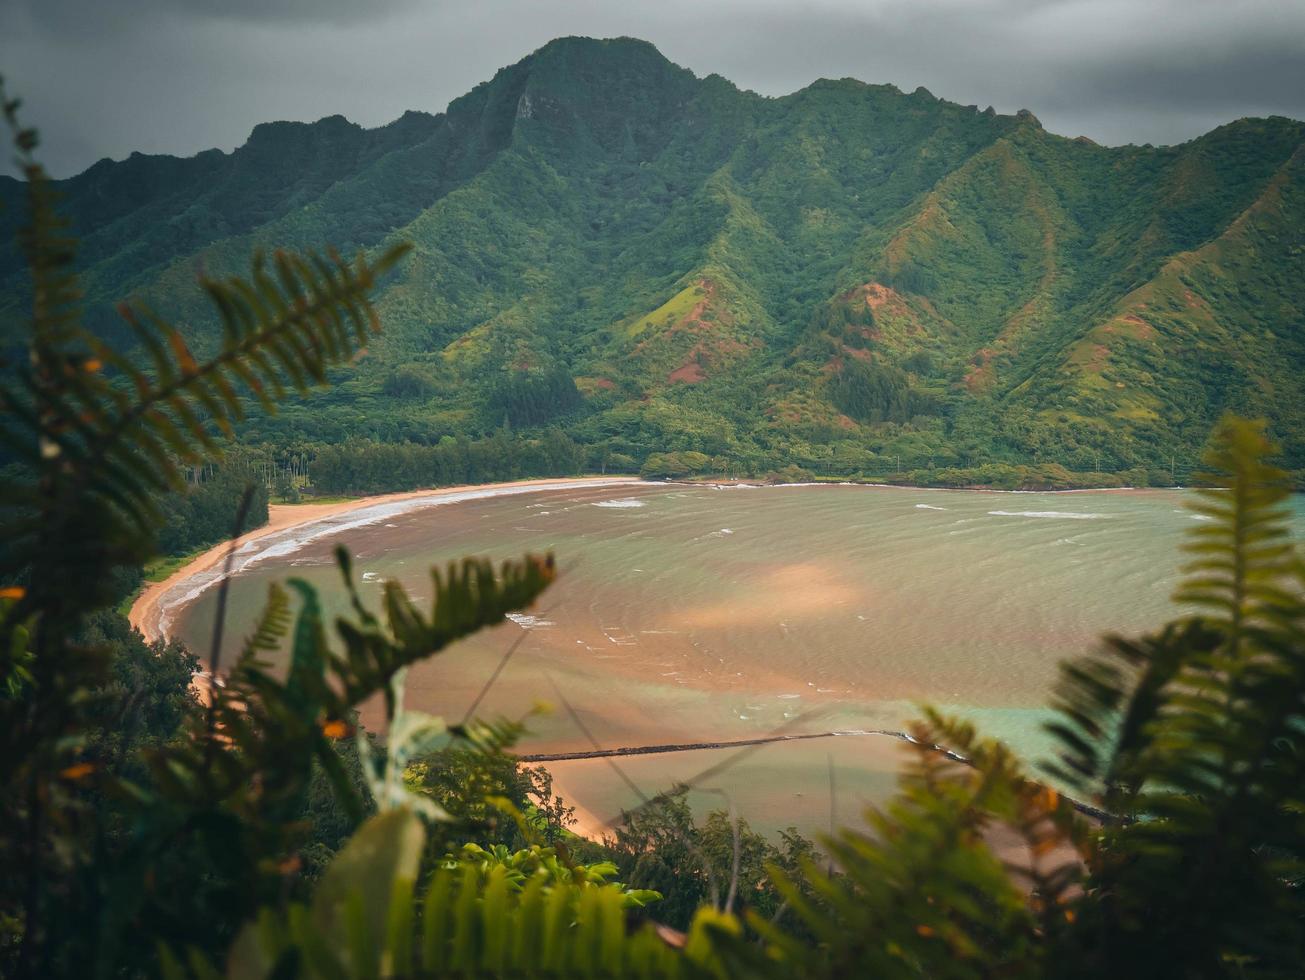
x,y
573,44
616,93
281,129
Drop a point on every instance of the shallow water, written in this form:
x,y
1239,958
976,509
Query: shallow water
x,y
687,613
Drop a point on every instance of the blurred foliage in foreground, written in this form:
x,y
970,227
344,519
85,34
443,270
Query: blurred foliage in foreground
x,y
259,833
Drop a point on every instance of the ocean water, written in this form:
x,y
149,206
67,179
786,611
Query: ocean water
x,y
696,613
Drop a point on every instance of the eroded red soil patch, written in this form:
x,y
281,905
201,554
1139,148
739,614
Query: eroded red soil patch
x,y
982,374
1141,329
690,373
708,323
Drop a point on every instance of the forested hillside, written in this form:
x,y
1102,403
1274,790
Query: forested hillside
x,y
676,274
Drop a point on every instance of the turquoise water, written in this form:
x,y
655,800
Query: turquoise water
x,y
688,613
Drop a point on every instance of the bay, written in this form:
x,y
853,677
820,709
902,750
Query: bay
x,y
688,613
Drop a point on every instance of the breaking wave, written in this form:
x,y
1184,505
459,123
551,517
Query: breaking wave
x,y
528,622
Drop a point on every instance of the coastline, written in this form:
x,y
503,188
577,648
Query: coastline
x,y
291,526
150,610
753,484
151,607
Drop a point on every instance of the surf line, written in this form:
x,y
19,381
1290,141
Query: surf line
x,y
1080,806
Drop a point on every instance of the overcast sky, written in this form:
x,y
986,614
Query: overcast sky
x,y
105,77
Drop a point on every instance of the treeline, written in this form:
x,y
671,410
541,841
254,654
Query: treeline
x,y
364,466
205,512
360,466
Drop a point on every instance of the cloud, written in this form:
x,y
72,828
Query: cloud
x,y
103,79
88,18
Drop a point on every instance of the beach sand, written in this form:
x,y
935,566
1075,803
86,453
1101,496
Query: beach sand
x,y
149,608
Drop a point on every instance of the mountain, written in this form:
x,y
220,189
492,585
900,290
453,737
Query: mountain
x,y
851,279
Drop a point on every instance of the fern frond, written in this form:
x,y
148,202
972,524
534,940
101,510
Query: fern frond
x,y
467,597
470,922
1198,735
1243,555
920,891
1106,704
105,435
271,629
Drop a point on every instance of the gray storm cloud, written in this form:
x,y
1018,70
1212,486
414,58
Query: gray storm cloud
x,y
177,76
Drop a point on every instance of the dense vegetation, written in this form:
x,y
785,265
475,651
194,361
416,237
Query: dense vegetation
x,y
850,280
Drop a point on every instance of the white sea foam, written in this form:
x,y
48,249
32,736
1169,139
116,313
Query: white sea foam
x,y
528,622
370,576
928,507
624,504
278,544
1070,515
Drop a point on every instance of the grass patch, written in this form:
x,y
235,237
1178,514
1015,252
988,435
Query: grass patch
x,y
669,313
157,571
160,568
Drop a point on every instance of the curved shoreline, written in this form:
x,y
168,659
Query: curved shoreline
x,y
294,526
151,611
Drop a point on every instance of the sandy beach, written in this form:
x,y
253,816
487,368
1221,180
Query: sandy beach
x,y
150,608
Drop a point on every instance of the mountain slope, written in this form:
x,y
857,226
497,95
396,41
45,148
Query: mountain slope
x,y
850,278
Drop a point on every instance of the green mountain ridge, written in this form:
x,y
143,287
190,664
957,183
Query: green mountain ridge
x,y
850,279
